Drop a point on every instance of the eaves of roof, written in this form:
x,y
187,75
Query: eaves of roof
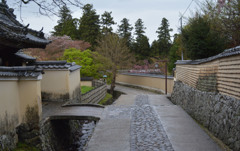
x,y
225,53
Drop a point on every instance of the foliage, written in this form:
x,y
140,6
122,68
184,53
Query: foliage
x,y
139,28
86,59
164,41
199,40
105,100
55,50
141,46
124,31
224,16
115,49
66,25
174,53
24,147
106,23
85,89
89,28
154,48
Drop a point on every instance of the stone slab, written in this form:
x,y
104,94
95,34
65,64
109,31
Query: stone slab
x,y
183,132
125,100
111,134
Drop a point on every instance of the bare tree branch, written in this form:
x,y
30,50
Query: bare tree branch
x,y
49,7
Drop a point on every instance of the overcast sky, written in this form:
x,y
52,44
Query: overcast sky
x,y
150,11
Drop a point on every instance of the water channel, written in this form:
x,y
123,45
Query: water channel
x,y
73,135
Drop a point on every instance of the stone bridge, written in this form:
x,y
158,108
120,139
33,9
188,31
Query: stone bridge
x,y
58,110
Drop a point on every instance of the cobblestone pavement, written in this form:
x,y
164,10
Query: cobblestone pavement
x,y
143,121
147,133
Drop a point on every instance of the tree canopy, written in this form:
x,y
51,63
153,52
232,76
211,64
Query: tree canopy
x,y
164,39
139,28
174,53
55,50
106,23
90,62
89,28
125,31
115,49
66,24
141,46
199,40
225,19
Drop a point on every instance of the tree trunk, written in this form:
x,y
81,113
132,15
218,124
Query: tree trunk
x,y
113,81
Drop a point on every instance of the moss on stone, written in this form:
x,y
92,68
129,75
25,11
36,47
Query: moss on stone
x,y
25,147
105,100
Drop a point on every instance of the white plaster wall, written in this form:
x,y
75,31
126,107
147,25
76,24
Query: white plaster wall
x,y
55,82
74,83
30,95
9,108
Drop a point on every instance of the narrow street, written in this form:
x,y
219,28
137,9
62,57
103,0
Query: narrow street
x,y
144,121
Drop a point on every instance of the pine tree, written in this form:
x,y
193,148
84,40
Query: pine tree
x,y
164,38
154,48
106,23
89,28
141,46
66,25
124,31
139,28
174,53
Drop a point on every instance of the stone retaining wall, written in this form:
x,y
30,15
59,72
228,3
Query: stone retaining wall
x,y
95,95
217,112
66,134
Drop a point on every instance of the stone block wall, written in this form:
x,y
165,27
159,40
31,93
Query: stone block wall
x,y
217,112
66,134
95,95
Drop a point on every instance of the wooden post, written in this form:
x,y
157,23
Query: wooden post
x,y
166,77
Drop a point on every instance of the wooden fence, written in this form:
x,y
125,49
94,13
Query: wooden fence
x,y
220,73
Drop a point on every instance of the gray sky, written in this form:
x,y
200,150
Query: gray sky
x,y
150,11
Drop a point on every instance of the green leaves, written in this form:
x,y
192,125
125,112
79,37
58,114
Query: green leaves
x,y
66,25
89,29
200,41
164,41
106,22
124,31
90,64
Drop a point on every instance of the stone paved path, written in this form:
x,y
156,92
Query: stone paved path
x,y
147,132
143,121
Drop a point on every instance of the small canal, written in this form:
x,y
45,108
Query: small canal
x,y
70,134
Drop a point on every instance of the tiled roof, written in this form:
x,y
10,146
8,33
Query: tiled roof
x,y
57,65
24,56
12,32
20,71
225,53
